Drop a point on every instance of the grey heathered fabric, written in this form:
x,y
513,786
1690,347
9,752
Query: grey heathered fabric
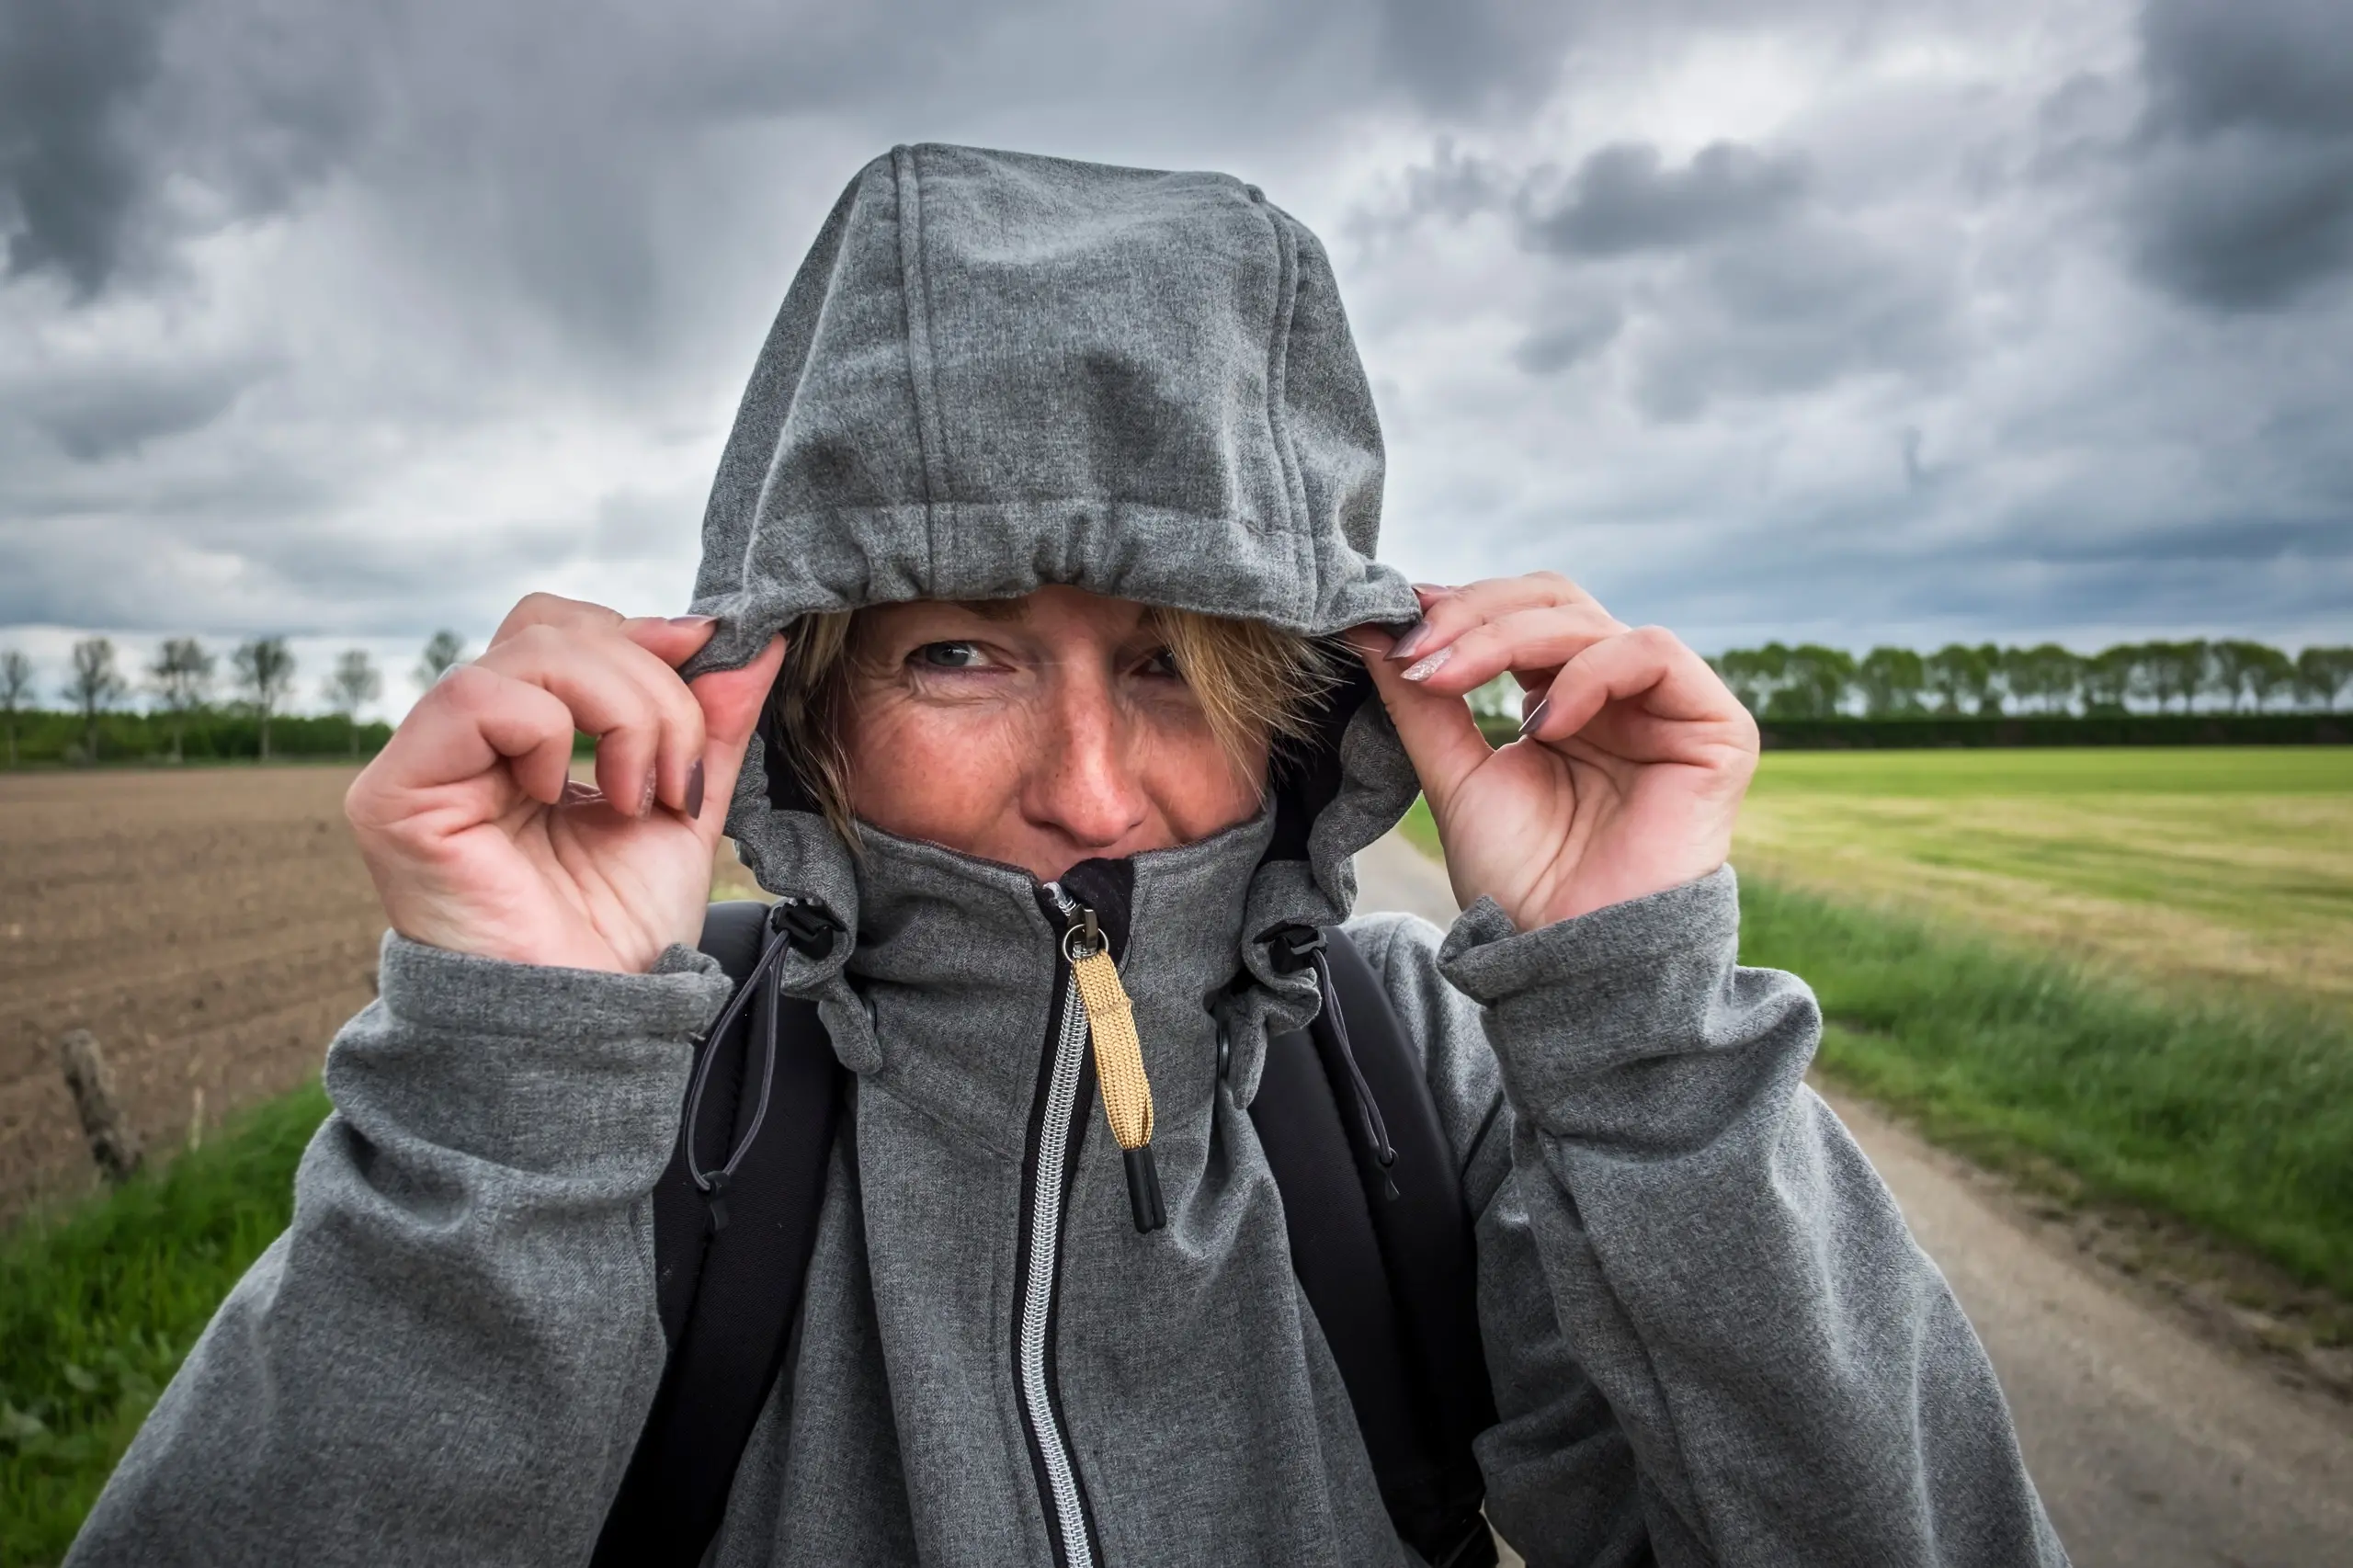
x,y
995,370
1712,1339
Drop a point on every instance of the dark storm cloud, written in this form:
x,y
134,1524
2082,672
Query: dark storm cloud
x,y
71,173
94,417
1795,310
1625,199
1728,274
550,123
1465,57
2243,197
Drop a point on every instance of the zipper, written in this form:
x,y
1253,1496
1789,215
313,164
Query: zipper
x,y
1058,1123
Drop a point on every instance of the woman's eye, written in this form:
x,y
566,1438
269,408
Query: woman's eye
x,y
948,656
1163,664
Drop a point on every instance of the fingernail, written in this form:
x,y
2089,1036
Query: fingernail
x,y
1432,590
646,801
692,620
1429,666
1535,716
1410,639
694,790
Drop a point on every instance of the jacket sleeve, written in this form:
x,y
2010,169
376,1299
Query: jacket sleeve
x,y
449,1354
1712,1339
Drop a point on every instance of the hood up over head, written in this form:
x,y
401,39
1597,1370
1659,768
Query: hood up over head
x,y
996,371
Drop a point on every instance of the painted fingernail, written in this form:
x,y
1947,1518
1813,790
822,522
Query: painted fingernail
x,y
694,790
1429,666
1410,639
1535,716
646,801
692,620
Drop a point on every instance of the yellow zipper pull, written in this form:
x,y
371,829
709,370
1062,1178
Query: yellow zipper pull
x,y
1119,1064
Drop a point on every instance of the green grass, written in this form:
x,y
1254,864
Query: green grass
x,y
99,1304
2236,1117
2061,770
2185,867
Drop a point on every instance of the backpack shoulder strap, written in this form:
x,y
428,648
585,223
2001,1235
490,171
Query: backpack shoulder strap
x,y
1383,1250
729,1293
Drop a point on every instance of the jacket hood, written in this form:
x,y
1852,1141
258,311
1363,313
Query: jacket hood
x,y
996,371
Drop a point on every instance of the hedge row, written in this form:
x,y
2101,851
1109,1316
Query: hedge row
x,y
2059,729
45,737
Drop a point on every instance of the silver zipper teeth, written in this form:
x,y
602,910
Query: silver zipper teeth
x,y
1038,1290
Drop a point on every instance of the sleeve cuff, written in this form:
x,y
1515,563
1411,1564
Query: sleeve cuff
x,y
437,989
1491,961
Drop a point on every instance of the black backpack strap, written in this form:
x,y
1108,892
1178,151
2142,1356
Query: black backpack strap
x,y
729,1263
1382,1241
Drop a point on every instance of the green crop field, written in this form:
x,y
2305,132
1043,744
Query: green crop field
x,y
2184,867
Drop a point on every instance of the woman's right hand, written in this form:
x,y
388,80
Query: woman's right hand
x,y
478,842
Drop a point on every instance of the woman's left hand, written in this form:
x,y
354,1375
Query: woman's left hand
x,y
1631,763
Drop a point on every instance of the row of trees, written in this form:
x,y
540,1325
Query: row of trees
x,y
181,681
1814,682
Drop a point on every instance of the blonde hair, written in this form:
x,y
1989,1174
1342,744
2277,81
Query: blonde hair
x,y
1258,687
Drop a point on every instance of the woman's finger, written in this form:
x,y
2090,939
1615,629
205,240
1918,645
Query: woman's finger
x,y
459,732
1531,643
1446,616
534,611
648,728
730,702
1439,735
1652,664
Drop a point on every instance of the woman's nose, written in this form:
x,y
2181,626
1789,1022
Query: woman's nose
x,y
1084,784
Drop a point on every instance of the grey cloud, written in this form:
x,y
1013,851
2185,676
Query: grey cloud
x,y
92,417
2279,63
1462,57
71,176
2242,193
1624,199
1575,333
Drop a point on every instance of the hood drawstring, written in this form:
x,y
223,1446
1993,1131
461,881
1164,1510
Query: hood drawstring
x,y
793,923
1119,1064
1298,947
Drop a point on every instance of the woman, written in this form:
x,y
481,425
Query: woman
x,y
1039,560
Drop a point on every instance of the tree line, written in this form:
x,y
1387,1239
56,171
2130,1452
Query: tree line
x,y
182,684
1810,681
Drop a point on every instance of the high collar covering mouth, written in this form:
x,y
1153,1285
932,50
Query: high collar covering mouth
x,y
995,371
1293,864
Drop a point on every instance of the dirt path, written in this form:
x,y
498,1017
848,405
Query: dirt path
x,y
2152,1446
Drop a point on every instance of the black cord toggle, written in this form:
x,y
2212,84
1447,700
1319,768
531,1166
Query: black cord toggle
x,y
1295,948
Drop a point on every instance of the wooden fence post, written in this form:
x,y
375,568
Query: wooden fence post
x,y
112,1142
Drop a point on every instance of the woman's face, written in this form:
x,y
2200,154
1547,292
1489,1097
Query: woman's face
x,y
1038,732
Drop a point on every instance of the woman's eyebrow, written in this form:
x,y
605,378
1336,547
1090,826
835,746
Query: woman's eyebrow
x,y
994,609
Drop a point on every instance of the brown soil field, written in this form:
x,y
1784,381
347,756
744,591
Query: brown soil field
x,y
212,926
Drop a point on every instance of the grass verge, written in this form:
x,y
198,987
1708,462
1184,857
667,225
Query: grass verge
x,y
2236,1116
99,1304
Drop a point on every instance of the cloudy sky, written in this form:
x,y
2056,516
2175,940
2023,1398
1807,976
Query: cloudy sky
x,y
1848,320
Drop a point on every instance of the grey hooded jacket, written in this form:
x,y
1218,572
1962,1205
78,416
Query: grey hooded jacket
x,y
1710,1338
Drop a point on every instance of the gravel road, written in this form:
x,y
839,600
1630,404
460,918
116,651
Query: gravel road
x,y
2152,1446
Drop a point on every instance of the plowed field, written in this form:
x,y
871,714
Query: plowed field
x,y
212,926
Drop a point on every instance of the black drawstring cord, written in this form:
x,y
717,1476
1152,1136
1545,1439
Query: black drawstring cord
x,y
762,978
1304,944
794,923
1375,1128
